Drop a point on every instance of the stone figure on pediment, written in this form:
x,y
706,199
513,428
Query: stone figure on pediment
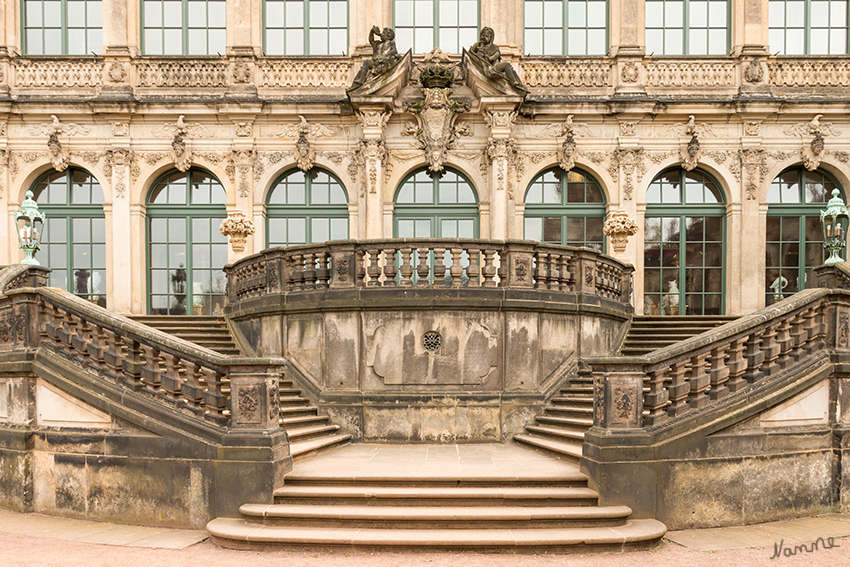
x,y
490,57
384,55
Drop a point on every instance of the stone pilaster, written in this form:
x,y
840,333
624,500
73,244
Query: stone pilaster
x,y
372,157
750,35
244,27
500,152
243,155
119,243
627,27
116,50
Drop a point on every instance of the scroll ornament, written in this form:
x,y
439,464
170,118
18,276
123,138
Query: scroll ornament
x,y
238,227
619,227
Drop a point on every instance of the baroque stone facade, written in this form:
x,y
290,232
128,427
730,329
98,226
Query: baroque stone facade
x,y
247,119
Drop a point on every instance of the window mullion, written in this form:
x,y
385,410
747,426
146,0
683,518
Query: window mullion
x,y
436,32
306,27
686,32
185,12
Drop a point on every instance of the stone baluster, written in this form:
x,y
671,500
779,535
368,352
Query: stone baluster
x,y
679,389
374,267
97,346
556,275
725,373
473,270
296,272
390,269
423,269
46,325
152,372
309,271
360,255
799,336
192,390
215,401
655,401
406,268
67,331
811,327
786,344
80,341
132,365
489,270
113,356
820,337
323,274
699,381
755,360
439,267
771,350
541,271
172,380
565,275
457,269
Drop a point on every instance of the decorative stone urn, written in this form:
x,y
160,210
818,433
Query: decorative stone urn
x,y
238,227
619,227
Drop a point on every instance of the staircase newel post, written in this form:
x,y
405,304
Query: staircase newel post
x,y
622,400
254,395
586,276
343,265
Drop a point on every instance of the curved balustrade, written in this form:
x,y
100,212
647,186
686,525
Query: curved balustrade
x,y
432,263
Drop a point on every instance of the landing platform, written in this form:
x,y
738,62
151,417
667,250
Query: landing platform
x,y
482,461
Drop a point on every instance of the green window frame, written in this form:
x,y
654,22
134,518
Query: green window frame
x,y
794,234
436,205
74,241
694,200
422,25
303,208
185,249
688,27
62,27
184,27
305,27
565,207
565,27
809,27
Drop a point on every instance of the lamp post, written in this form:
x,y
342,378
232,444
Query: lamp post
x,y
834,221
29,221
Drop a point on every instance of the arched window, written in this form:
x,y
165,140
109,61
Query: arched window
x,y
565,207
566,27
303,208
299,27
683,262
794,233
186,251
687,27
74,241
433,205
424,24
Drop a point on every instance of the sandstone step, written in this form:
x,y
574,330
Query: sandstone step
x,y
566,448
635,534
570,411
304,421
298,411
557,433
303,433
434,517
415,494
576,422
577,400
312,446
574,479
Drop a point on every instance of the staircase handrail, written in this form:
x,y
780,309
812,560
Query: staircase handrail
x,y
468,263
178,373
647,390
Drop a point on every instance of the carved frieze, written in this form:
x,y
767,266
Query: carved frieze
x,y
628,163
809,72
12,326
569,73
695,74
53,73
297,72
189,73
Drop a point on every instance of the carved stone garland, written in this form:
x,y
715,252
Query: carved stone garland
x,y
619,227
238,227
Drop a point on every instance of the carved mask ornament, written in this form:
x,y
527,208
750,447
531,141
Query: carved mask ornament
x,y
436,116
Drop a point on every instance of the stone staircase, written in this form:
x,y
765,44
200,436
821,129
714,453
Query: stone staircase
x,y
407,503
652,333
207,331
561,427
309,432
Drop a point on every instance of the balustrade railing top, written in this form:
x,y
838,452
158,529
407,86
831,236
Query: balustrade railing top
x,y
437,262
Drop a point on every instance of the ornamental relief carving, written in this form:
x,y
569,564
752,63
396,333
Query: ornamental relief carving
x,y
628,163
191,73
32,73
437,128
569,73
812,153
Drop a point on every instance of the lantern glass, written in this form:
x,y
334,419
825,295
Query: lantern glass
x,y
835,220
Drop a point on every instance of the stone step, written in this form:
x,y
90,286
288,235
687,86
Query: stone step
x,y
298,411
573,400
567,422
556,433
304,421
635,534
420,482
566,448
290,401
434,517
412,493
569,411
311,432
312,446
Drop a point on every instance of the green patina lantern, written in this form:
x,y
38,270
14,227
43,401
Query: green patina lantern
x,y
834,221
30,222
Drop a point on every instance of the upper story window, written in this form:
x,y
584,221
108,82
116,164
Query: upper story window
x,y
687,27
184,27
63,27
306,27
566,27
802,27
422,25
